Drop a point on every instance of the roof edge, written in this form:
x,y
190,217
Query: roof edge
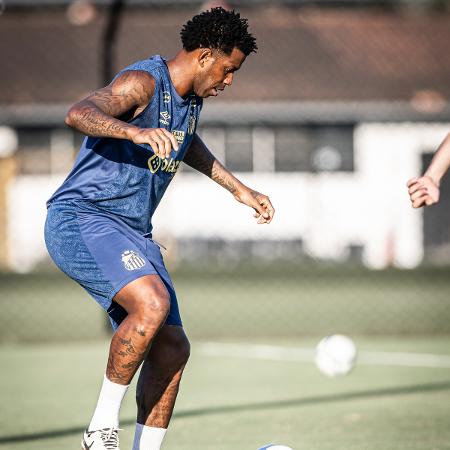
x,y
264,112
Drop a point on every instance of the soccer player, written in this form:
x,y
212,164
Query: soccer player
x,y
98,230
424,190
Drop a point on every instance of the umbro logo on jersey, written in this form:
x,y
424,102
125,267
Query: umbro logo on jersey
x,y
132,260
166,97
192,117
165,116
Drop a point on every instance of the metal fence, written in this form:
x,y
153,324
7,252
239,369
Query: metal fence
x,y
245,302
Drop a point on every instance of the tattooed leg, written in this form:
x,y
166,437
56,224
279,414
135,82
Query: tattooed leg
x,y
160,377
147,303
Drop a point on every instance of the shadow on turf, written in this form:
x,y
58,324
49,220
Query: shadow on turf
x,y
434,387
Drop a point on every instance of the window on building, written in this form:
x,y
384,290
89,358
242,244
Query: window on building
x,y
45,150
333,149
314,148
33,153
293,147
232,146
238,149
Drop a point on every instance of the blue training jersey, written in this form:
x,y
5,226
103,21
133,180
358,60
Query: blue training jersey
x,y
128,180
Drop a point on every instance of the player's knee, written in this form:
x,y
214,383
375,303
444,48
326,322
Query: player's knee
x,y
181,350
154,305
172,353
156,308
176,351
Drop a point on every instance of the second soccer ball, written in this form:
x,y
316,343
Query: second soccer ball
x,y
335,355
275,447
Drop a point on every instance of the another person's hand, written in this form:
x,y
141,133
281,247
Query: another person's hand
x,y
261,203
423,191
160,140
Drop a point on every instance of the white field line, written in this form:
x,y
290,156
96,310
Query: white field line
x,y
297,354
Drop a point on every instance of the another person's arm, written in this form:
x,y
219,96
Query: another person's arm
x,y
424,190
200,158
97,114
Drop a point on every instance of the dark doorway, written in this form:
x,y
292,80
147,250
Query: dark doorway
x,y
436,222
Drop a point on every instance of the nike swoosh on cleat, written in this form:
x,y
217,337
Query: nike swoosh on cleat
x,y
87,447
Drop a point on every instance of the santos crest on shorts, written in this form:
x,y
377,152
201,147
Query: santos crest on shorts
x,y
127,180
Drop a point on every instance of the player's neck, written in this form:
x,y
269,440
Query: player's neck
x,y
181,73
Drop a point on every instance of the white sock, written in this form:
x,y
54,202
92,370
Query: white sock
x,y
106,414
148,438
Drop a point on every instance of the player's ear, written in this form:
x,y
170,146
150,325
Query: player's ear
x,y
204,57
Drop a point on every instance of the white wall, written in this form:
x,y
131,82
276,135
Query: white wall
x,y
329,212
386,157
26,217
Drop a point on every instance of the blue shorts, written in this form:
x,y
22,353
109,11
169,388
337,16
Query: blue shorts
x,y
103,254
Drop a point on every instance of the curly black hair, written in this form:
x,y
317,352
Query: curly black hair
x,y
218,29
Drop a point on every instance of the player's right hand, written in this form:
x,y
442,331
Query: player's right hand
x,y
160,140
261,204
423,191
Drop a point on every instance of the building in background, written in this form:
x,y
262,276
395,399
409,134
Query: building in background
x,y
337,110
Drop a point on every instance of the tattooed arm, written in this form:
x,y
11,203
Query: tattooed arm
x,y
200,158
97,114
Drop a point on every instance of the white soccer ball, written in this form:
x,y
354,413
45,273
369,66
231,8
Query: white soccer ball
x,y
275,447
335,355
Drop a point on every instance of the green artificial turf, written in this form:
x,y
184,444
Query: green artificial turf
x,y
48,393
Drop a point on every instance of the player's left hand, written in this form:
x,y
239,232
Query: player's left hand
x,y
262,205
